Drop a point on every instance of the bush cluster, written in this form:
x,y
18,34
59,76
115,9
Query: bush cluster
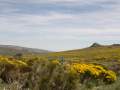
x,y
43,74
88,72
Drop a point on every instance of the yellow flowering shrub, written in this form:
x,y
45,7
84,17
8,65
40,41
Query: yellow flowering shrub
x,y
11,69
92,71
111,75
56,62
13,62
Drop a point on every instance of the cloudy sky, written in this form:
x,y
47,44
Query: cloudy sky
x,y
59,24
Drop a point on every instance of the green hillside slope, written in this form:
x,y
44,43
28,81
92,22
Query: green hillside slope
x,y
109,54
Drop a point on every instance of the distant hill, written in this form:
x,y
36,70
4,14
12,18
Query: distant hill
x,y
12,50
96,47
94,53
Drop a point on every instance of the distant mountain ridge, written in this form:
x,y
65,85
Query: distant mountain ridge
x,y
94,46
12,50
99,45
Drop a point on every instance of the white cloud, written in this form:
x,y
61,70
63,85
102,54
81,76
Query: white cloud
x,y
25,22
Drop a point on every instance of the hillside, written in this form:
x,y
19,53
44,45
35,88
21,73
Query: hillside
x,y
97,53
12,50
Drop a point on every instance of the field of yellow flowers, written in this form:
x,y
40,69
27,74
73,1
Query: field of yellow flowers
x,y
43,74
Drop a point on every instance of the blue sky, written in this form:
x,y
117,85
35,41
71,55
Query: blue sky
x,y
59,24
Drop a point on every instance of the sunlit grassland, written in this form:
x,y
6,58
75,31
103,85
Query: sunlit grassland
x,y
104,55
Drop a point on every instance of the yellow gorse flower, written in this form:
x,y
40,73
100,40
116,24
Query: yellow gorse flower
x,y
55,62
111,75
14,62
95,70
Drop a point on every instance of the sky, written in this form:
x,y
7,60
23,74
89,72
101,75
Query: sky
x,y
59,24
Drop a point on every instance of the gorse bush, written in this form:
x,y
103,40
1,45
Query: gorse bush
x,y
12,61
89,72
11,69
